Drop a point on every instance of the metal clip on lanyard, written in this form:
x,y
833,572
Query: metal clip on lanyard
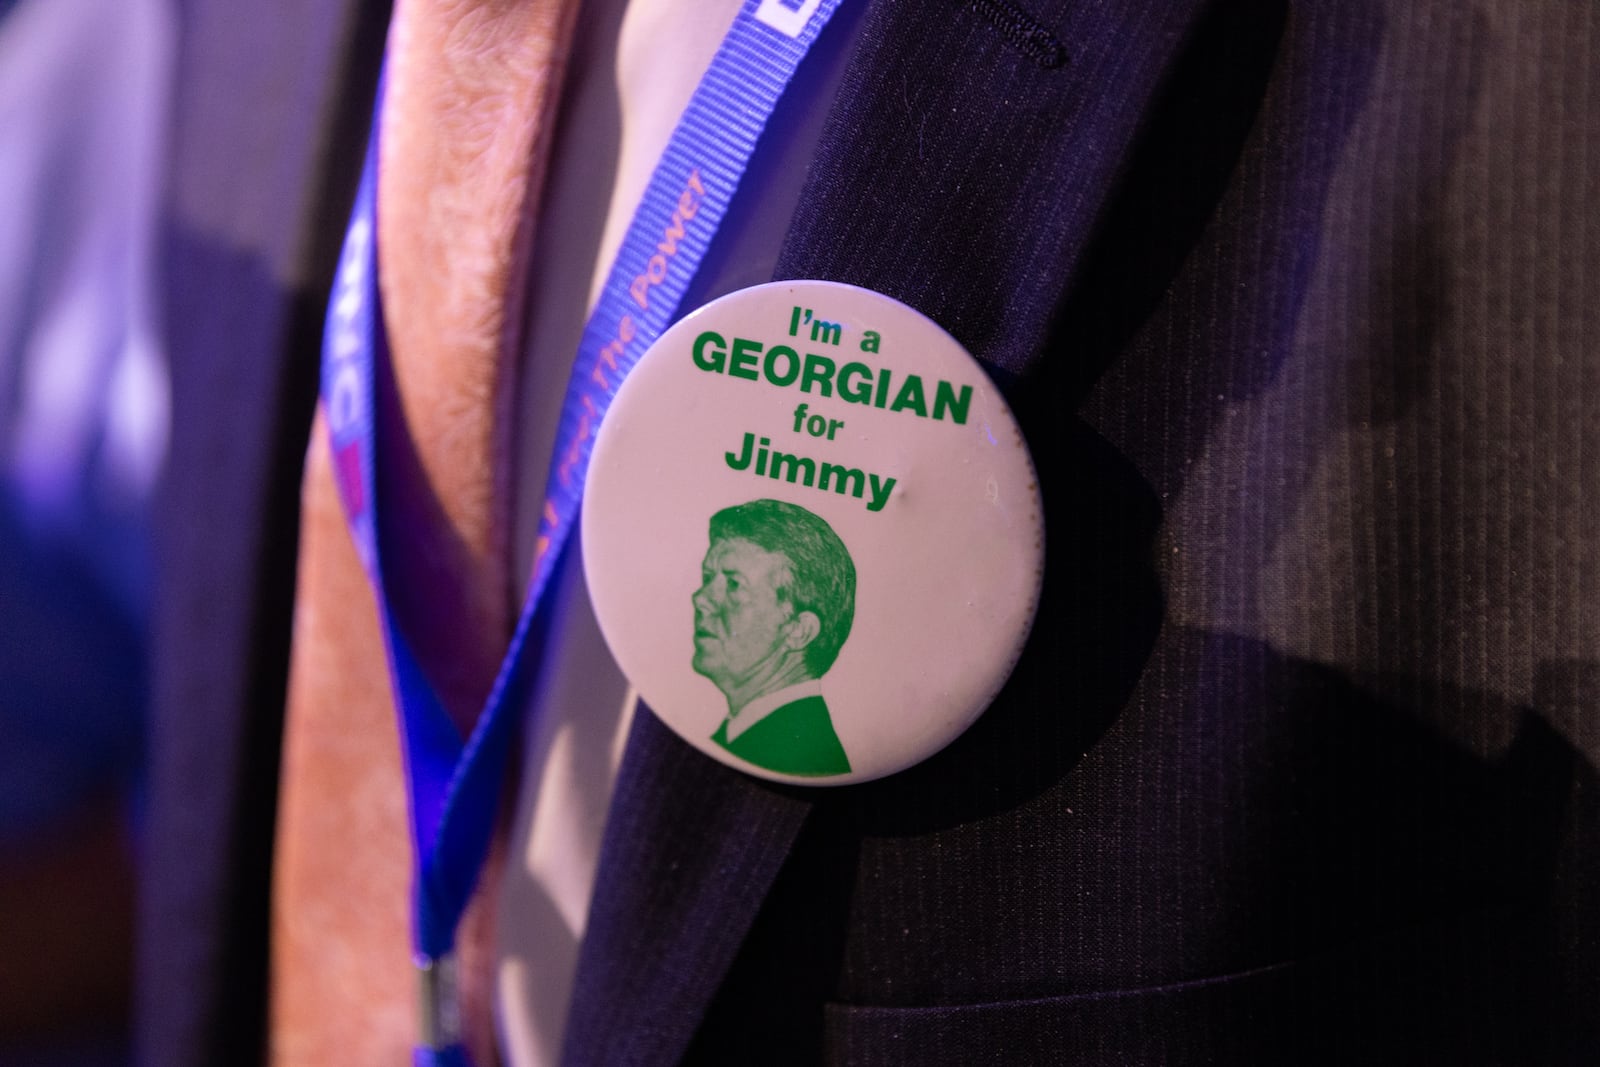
x,y
454,783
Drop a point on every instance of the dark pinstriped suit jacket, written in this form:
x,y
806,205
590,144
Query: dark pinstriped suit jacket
x,y
1297,304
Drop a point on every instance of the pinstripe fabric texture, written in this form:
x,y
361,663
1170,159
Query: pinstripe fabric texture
x,y
1299,765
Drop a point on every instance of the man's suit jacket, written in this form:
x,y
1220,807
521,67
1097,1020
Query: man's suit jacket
x,y
270,116
1296,304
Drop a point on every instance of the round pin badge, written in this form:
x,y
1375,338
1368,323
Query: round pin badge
x,y
812,533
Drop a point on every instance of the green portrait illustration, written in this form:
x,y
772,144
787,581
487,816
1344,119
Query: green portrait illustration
x,y
776,600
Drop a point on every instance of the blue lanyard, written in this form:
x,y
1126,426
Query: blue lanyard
x,y
454,783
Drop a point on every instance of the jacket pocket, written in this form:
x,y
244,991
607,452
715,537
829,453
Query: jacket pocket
x,y
1217,1020
1379,1002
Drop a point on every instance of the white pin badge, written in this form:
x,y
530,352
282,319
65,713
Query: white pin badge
x,y
812,533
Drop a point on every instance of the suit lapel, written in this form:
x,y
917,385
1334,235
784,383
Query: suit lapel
x,y
970,154
271,105
691,849
963,167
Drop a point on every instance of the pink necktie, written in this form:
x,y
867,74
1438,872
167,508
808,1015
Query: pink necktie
x,y
471,91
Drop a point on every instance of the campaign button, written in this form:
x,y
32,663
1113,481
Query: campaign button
x,y
812,533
